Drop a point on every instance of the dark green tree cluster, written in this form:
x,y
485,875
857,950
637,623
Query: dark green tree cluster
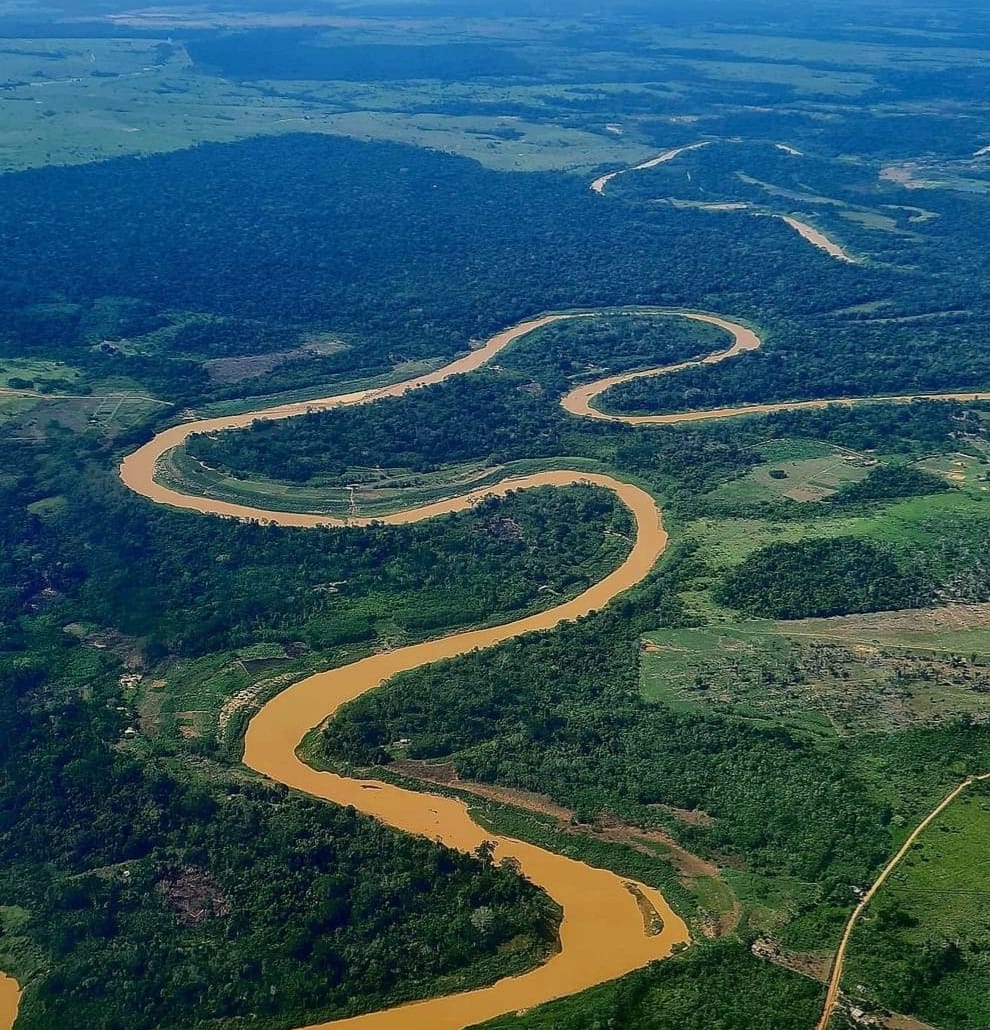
x,y
835,576
166,899
890,483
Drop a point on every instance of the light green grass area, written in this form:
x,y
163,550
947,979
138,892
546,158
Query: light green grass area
x,y
923,946
375,491
70,101
47,507
725,542
846,675
767,903
398,373
923,521
904,525
84,100
42,375
803,80
105,413
801,479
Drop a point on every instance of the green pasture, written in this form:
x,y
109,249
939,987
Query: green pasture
x,y
923,946
827,677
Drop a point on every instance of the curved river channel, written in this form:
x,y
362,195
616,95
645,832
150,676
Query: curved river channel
x,y
611,925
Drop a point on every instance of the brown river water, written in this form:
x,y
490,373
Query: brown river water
x,y
10,997
603,934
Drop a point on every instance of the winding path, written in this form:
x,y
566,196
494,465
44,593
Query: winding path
x,y
603,934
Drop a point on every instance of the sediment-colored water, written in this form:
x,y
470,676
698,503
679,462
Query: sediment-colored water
x,y
10,998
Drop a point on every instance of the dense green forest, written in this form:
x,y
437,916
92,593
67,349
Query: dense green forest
x,y
167,898
334,236
338,229
495,415
687,993
820,577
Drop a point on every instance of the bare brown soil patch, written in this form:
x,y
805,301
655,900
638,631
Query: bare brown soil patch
x,y
193,895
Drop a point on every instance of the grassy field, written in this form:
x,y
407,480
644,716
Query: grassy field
x,y
376,491
854,674
73,101
923,946
107,412
961,469
587,102
799,473
36,371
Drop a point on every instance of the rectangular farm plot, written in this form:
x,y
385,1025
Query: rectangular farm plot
x,y
801,479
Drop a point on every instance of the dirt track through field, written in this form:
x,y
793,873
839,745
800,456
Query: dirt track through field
x,y
835,980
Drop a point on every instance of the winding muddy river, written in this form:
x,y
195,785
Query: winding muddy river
x,y
604,932
10,997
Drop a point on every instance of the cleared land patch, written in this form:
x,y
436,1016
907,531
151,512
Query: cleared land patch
x,y
800,478
846,675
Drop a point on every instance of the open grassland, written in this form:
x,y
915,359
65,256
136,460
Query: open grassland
x,y
799,478
69,101
30,374
371,491
34,418
14,406
557,97
852,674
922,947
